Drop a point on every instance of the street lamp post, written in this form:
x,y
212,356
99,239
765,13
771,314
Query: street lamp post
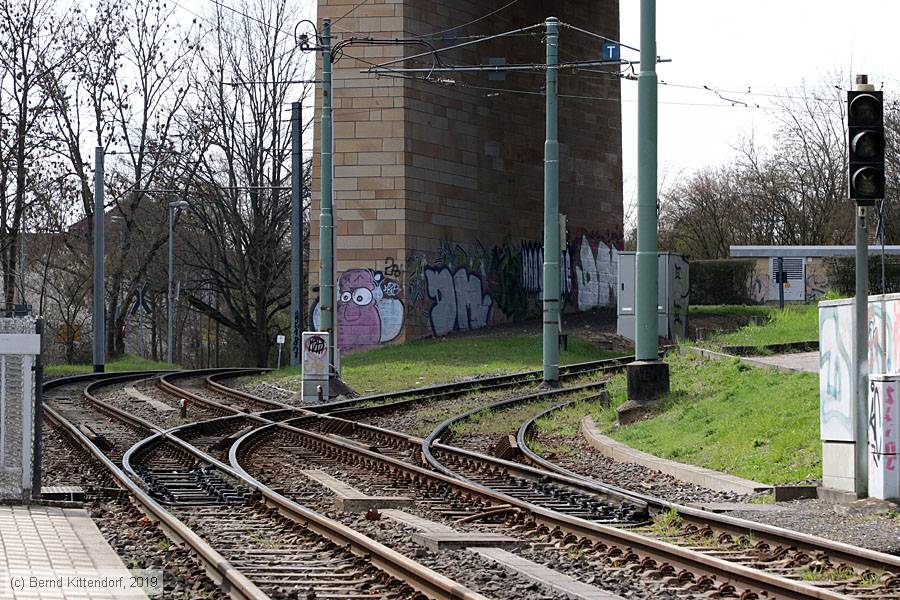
x,y
170,302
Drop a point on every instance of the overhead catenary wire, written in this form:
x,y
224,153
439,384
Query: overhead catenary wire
x,y
598,36
472,22
346,14
461,45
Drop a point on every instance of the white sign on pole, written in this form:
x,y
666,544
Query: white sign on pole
x,y
316,369
279,339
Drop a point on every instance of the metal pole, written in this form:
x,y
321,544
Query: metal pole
x,y
326,217
781,283
647,286
169,300
551,211
296,232
98,317
861,348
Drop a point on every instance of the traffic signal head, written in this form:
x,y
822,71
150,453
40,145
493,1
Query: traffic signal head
x,y
865,117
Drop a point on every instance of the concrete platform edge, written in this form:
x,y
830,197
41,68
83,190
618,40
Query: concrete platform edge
x,y
712,354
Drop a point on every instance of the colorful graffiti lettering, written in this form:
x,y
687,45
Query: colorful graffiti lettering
x,y
369,309
532,254
506,284
459,302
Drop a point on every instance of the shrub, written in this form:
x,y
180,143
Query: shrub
x,y
721,281
842,274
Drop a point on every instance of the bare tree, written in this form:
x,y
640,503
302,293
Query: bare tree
x,y
147,98
243,254
35,45
790,192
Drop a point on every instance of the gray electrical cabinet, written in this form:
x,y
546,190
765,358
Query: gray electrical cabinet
x,y
672,301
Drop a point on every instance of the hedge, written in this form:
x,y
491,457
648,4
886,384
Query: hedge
x,y
842,274
724,281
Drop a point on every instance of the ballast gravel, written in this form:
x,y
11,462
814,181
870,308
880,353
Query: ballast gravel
x,y
136,539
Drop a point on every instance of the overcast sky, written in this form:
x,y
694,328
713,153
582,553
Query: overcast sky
x,y
767,46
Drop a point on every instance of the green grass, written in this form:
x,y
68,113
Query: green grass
x,y
124,363
432,361
760,424
798,323
724,310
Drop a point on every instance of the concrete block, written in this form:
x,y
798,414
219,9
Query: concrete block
x,y
455,540
363,503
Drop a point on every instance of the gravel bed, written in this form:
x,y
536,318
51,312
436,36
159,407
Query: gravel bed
x,y
465,567
139,542
817,517
580,457
420,419
260,388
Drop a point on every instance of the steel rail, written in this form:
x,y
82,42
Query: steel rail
x,y
226,576
494,382
861,557
444,426
677,556
418,576
763,580
722,523
395,564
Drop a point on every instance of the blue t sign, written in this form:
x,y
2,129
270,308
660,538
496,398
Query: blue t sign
x,y
610,51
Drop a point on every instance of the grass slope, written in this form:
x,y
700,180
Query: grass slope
x,y
761,424
124,363
426,362
798,323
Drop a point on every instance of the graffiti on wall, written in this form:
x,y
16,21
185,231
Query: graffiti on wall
x,y
759,287
369,309
459,301
532,281
680,297
466,286
816,286
595,268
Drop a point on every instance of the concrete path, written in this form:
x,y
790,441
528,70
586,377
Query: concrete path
x,y
796,361
48,552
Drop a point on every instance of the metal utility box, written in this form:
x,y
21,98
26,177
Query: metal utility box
x,y
20,346
672,302
884,436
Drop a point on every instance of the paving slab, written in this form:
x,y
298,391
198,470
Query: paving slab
x,y
795,361
455,540
719,507
142,397
348,499
45,550
559,582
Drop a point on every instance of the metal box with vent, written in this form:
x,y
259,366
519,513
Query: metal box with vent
x,y
795,283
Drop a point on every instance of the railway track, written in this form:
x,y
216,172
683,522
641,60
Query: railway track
x,y
712,551
254,545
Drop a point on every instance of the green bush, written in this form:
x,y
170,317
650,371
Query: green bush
x,y
842,274
721,281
